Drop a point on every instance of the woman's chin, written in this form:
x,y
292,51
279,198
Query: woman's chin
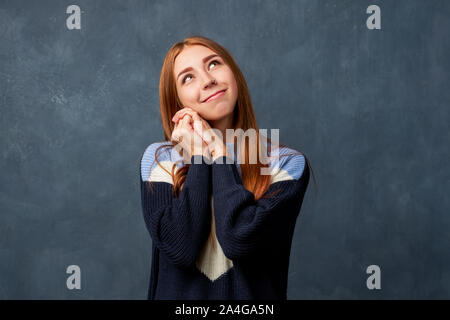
x,y
216,111
221,110
217,116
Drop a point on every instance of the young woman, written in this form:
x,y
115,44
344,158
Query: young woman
x,y
220,229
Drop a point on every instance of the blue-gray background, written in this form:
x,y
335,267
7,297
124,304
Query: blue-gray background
x,y
370,108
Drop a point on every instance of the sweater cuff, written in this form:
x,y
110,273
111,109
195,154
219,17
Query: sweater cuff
x,y
225,174
200,159
198,175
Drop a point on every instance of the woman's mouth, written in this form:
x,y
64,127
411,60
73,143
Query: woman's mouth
x,y
217,95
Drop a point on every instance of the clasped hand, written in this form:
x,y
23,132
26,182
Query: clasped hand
x,y
195,135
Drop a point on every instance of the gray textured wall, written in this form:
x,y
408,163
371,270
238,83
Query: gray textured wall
x,y
370,108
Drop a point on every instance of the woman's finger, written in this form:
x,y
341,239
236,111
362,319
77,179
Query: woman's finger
x,y
195,116
204,125
176,117
186,121
193,122
179,114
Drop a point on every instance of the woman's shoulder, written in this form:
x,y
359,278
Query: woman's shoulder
x,y
286,163
164,153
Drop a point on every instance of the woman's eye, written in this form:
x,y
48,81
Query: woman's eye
x,y
184,79
217,62
190,75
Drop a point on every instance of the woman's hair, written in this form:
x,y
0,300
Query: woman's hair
x,y
244,118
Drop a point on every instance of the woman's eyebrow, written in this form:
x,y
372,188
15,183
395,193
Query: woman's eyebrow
x,y
204,60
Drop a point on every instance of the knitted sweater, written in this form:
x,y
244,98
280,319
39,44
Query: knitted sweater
x,y
215,241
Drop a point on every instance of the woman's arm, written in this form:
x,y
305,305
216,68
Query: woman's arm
x,y
179,226
246,228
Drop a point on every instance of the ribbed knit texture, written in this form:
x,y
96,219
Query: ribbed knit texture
x,y
255,235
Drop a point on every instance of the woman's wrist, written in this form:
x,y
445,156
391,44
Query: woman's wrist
x,y
221,151
204,152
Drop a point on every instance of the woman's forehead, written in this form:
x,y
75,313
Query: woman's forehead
x,y
191,55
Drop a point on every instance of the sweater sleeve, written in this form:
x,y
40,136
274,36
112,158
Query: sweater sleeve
x,y
246,227
177,226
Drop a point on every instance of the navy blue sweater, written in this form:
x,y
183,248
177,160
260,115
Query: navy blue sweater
x,y
215,241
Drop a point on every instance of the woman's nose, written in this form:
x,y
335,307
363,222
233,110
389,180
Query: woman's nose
x,y
210,82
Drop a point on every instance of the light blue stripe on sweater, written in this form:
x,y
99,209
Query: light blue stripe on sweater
x,y
292,165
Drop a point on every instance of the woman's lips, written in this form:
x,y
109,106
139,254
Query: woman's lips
x,y
217,95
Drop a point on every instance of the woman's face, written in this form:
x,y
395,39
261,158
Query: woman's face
x,y
197,83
